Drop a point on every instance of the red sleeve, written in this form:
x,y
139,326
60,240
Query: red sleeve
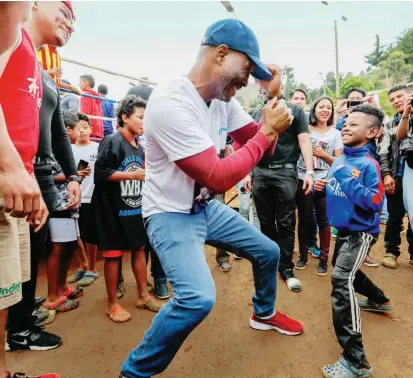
x,y
86,105
243,134
220,175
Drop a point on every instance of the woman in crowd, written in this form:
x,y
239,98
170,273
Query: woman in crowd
x,y
327,145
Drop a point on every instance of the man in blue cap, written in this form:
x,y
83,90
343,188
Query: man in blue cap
x,y
187,121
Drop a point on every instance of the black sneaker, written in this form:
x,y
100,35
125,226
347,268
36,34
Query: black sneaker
x,y
322,268
301,263
292,282
33,339
161,289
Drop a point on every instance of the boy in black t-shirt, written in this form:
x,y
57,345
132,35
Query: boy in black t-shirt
x,y
117,205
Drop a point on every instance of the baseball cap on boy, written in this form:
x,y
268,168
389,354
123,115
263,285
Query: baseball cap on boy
x,y
237,36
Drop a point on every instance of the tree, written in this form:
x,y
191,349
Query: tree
x,y
396,67
331,81
385,103
378,54
289,80
405,44
257,102
355,82
313,94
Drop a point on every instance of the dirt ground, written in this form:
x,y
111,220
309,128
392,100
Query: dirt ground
x,y
224,345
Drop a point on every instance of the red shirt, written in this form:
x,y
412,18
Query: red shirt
x,y
91,106
20,98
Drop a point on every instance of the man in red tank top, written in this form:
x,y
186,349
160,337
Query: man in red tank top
x,y
20,99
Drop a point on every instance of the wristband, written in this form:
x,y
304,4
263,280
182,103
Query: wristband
x,y
75,179
309,173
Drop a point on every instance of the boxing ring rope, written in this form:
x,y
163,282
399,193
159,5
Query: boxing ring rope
x,y
140,80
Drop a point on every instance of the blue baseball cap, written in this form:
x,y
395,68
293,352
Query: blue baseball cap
x,y
237,36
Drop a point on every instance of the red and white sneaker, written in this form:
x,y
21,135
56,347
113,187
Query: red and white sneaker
x,y
281,323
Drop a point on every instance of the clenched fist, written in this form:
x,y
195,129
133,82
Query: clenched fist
x,y
276,118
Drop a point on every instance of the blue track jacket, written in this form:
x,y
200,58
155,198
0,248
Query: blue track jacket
x,y
355,192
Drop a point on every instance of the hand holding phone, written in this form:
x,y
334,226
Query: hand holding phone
x,y
83,169
83,164
354,103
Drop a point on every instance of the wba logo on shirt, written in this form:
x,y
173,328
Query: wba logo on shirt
x,y
131,190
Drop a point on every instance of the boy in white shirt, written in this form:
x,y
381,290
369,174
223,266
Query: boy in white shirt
x,y
85,150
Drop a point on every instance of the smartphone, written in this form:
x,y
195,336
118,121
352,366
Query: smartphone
x,y
352,104
82,165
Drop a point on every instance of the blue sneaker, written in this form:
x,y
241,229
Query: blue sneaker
x,y
161,288
315,251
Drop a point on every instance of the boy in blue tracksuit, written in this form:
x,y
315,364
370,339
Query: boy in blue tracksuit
x,y
354,199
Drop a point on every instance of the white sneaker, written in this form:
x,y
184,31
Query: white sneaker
x,y
292,282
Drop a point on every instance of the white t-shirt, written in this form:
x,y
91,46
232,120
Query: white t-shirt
x,y
329,142
87,153
178,124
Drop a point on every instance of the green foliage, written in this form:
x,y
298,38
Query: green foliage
x,y
405,44
289,80
331,81
357,82
378,54
385,103
396,67
331,94
388,65
257,103
313,94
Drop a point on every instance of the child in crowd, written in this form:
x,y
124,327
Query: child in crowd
x,y
64,233
91,106
84,150
354,199
117,200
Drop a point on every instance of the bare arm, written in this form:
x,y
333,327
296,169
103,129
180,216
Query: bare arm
x,y
403,128
306,150
19,190
330,159
138,175
69,87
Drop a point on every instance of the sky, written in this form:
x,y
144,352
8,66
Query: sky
x,y
160,39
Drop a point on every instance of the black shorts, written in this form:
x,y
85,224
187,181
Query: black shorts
x,y
87,223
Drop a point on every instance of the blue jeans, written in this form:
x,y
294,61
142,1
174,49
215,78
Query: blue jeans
x,y
178,240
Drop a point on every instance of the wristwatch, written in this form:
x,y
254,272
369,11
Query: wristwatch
x,y
75,179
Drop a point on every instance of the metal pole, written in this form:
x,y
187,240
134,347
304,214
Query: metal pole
x,y
337,70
